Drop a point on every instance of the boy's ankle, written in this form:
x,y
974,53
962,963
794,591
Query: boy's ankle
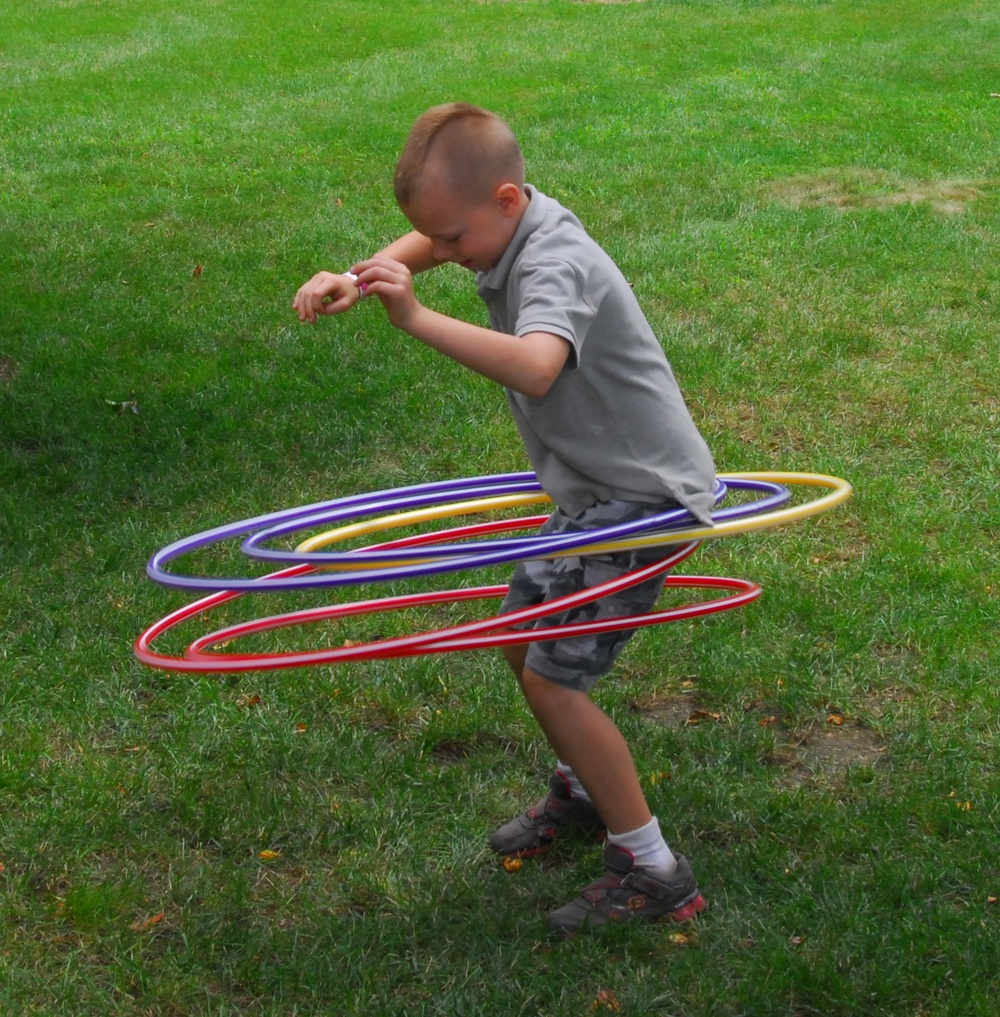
x,y
573,786
648,849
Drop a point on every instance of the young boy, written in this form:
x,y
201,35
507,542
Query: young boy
x,y
607,433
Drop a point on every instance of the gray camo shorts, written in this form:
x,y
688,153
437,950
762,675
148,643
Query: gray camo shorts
x,y
578,661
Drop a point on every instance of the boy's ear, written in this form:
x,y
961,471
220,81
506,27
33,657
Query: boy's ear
x,y
508,196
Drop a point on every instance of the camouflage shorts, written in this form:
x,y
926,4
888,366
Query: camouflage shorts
x,y
577,662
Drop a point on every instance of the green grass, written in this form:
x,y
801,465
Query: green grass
x,y
804,195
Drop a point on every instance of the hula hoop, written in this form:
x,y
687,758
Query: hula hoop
x,y
539,545
403,497
431,553
841,490
352,567
479,634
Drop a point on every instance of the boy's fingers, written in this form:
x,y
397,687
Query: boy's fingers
x,y
378,261
327,293
310,299
388,272
304,306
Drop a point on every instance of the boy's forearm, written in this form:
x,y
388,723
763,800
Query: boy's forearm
x,y
527,364
413,249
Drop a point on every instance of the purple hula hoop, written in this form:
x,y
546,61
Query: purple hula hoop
x,y
475,554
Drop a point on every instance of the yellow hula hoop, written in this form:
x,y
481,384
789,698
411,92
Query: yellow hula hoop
x,y
840,491
413,518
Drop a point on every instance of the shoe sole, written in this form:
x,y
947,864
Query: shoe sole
x,y
686,913
597,836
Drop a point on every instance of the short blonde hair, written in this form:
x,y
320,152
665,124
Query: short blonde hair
x,y
472,148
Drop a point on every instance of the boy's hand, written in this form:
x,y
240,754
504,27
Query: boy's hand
x,y
392,282
325,293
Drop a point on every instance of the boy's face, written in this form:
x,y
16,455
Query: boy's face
x,y
473,235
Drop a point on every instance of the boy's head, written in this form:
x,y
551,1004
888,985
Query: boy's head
x,y
460,182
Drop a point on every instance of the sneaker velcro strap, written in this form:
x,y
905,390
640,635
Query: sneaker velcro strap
x,y
643,883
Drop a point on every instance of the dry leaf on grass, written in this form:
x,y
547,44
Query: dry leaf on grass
x,y
607,1000
699,715
142,924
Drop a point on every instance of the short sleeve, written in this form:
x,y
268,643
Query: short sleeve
x,y
552,298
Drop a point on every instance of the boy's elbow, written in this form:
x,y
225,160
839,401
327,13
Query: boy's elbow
x,y
539,384
539,372
535,391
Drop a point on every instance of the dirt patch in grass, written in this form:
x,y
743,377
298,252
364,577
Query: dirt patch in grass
x,y
456,748
827,748
674,712
834,749
856,188
8,370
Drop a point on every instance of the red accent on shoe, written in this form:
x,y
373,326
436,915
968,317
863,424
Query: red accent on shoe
x,y
689,911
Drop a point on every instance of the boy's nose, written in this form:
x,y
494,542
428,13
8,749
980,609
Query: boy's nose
x,y
441,251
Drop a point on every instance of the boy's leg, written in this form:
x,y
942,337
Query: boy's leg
x,y
583,735
643,878
587,741
566,806
573,666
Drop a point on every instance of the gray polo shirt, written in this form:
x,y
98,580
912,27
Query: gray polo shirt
x,y
614,423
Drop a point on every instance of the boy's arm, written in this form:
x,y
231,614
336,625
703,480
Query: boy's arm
x,y
527,364
414,250
332,293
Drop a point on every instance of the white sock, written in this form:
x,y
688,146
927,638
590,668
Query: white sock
x,y
576,789
648,849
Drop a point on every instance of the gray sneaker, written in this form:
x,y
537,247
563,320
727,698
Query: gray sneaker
x,y
624,893
533,832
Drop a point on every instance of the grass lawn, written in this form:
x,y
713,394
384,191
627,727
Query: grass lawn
x,y
805,197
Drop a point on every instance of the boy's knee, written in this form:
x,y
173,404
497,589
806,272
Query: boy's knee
x,y
515,657
540,691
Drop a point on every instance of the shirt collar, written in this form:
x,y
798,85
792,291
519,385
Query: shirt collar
x,y
534,214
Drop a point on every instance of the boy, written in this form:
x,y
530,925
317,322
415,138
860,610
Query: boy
x,y
607,433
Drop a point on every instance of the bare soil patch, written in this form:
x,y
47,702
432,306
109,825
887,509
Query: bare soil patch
x,y
825,749
835,749
858,188
673,713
